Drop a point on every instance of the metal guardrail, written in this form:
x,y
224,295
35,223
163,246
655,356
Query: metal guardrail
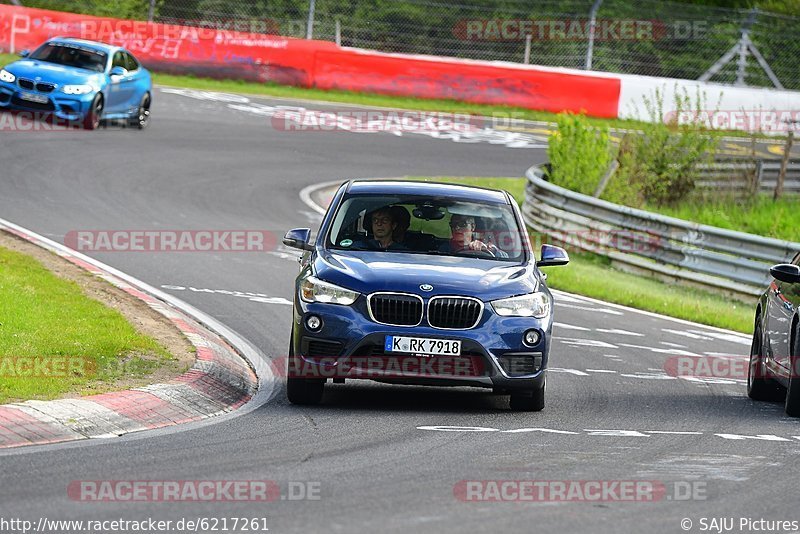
x,y
739,174
735,263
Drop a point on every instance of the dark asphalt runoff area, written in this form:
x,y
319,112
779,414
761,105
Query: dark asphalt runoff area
x,y
376,457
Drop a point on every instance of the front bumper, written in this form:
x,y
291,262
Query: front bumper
x,y
60,105
350,345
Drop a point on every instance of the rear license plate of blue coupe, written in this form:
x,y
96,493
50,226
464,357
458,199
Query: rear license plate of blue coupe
x,y
33,97
421,345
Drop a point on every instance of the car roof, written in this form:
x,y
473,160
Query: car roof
x,y
405,187
109,49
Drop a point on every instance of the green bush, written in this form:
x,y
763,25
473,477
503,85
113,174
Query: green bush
x,y
659,166
580,153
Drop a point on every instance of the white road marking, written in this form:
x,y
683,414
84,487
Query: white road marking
x,y
668,344
600,371
611,433
586,308
619,332
570,326
568,371
661,351
585,342
253,297
650,376
724,337
686,333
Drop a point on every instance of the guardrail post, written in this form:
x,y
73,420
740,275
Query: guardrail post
x,y
759,175
310,25
527,49
151,11
338,32
784,164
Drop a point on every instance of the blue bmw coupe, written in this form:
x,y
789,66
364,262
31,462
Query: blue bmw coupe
x,y
421,283
79,82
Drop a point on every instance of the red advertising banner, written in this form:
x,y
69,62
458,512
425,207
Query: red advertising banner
x,y
471,81
181,49
260,57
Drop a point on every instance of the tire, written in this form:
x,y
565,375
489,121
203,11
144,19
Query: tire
x,y
303,391
92,119
759,386
792,405
142,118
530,400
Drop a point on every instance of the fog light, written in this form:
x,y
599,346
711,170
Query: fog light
x,y
531,338
313,323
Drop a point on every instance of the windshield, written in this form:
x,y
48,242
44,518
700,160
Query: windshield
x,y
72,56
427,225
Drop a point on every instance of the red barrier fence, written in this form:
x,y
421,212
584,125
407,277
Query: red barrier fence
x,y
267,58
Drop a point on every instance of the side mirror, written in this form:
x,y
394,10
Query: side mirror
x,y
298,238
118,72
24,53
552,255
785,272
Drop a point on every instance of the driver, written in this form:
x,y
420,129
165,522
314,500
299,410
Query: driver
x,y
464,239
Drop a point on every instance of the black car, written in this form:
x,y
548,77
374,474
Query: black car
x,y
775,351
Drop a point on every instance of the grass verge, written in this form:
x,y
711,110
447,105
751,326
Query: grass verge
x,y
593,276
56,341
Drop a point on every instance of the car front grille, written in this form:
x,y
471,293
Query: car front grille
x,y
395,309
26,84
33,105
454,312
45,87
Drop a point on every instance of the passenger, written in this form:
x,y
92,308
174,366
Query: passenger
x,y
403,220
463,239
383,224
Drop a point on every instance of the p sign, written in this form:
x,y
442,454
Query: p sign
x,y
19,24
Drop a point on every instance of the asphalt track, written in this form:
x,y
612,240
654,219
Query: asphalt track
x,y
385,458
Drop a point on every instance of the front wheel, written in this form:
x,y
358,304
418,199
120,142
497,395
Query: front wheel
x,y
142,118
793,389
759,386
529,400
305,391
92,119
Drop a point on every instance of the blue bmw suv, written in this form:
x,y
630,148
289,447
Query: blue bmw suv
x,y
421,283
79,82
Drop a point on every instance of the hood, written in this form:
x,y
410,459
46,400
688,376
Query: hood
x,y
52,73
367,271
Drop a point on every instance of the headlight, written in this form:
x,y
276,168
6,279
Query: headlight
x,y
530,305
6,76
315,290
77,89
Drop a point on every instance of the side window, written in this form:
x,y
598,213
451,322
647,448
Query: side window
x,y
130,62
796,260
119,60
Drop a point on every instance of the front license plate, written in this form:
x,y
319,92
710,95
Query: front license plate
x,y
33,97
421,345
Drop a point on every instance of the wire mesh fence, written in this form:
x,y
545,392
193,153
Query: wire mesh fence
x,y
646,37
